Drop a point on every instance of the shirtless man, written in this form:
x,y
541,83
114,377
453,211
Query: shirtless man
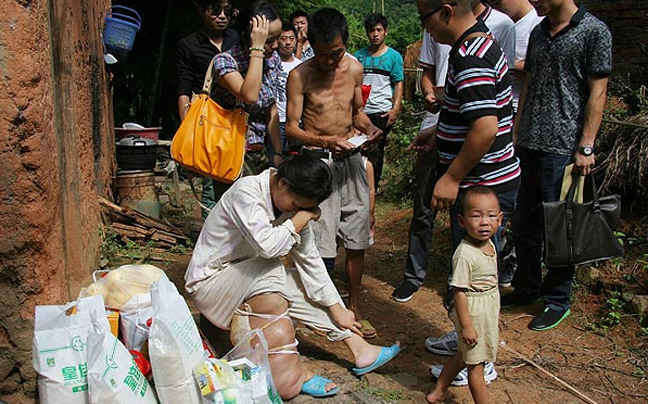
x,y
325,93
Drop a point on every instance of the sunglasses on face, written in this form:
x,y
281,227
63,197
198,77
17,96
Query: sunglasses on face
x,y
424,17
216,10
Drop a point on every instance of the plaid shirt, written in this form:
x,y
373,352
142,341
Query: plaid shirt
x,y
237,59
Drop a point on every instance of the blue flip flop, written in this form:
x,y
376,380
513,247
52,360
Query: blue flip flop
x,y
386,354
316,387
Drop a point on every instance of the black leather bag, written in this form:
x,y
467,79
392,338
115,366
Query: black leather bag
x,y
579,233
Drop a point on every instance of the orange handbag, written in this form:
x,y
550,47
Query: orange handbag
x,y
211,139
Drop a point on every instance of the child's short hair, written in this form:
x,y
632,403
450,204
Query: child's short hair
x,y
465,195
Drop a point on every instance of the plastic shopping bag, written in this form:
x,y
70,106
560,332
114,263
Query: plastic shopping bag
x,y
113,376
175,346
60,349
119,285
249,359
134,316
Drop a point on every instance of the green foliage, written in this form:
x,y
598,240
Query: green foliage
x,y
398,173
402,16
612,311
635,100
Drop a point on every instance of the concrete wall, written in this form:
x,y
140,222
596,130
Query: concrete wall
x,y
56,158
628,21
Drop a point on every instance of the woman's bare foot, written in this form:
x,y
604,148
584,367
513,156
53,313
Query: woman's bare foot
x,y
364,353
308,374
435,397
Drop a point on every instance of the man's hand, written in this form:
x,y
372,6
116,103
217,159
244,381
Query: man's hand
x,y
391,116
584,164
434,99
469,336
445,192
424,141
373,133
339,146
345,319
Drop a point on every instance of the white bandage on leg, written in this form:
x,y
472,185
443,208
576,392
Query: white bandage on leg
x,y
241,326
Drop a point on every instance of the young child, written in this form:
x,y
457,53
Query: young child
x,y
476,297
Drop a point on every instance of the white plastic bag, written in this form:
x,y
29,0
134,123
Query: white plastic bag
x,y
60,349
113,376
250,359
119,285
175,346
134,315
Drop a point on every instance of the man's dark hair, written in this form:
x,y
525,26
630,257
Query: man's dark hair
x,y
326,24
297,13
286,26
208,4
307,177
374,19
262,8
466,194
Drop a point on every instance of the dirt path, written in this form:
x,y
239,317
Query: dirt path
x,y
605,368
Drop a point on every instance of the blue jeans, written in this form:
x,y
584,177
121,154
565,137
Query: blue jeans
x,y
542,175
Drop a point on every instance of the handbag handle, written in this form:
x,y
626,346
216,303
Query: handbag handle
x,y
209,77
571,193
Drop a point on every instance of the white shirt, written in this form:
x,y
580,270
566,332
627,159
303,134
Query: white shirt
x,y
242,225
281,87
503,30
523,28
434,55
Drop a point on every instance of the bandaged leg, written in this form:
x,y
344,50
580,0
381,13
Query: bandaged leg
x,y
269,312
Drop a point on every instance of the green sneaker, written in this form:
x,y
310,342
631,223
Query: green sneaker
x,y
548,319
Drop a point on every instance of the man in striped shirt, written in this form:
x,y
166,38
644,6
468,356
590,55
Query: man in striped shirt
x,y
474,134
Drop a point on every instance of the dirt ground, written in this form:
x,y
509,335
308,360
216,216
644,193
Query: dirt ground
x,y
575,362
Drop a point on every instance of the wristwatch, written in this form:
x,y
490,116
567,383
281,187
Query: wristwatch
x,y
586,150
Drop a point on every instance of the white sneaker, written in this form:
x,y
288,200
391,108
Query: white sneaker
x,y
490,374
444,345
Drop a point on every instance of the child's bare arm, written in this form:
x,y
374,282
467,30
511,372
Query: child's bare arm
x,y
468,333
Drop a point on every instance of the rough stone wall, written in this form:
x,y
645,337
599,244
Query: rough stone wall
x,y
628,21
55,159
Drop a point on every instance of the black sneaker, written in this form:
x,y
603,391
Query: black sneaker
x,y
516,299
548,319
404,292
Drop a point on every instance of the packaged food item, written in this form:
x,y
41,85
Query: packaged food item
x,y
60,354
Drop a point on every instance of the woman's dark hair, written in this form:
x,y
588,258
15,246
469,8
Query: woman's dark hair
x,y
326,24
297,13
307,177
245,16
374,19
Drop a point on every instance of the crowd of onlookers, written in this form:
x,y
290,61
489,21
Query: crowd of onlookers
x,y
514,92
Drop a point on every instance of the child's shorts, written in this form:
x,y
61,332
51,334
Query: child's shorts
x,y
484,315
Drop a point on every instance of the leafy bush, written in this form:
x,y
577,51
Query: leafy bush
x,y
398,173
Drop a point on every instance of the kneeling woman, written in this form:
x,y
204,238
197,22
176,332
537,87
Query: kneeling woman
x,y
238,282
